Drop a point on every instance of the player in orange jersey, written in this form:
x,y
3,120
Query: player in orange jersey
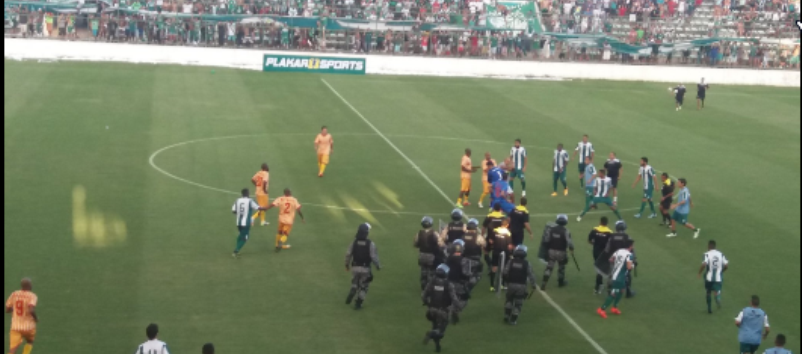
x,y
288,206
324,144
485,183
261,180
465,176
22,305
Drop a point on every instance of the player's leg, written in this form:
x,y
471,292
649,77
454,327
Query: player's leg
x,y
694,228
555,177
242,238
642,205
614,209
564,180
29,338
581,175
708,297
511,179
485,192
522,177
14,341
588,205
674,219
650,193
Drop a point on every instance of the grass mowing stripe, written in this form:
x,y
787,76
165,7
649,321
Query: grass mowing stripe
x,y
415,166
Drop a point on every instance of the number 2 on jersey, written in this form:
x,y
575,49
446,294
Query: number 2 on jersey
x,y
287,207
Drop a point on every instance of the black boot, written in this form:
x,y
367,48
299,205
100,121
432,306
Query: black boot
x,y
514,320
454,318
350,297
630,293
561,283
437,348
427,338
358,304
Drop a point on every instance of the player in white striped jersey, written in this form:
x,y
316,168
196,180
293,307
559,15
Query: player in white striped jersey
x,y
585,150
559,163
153,345
603,186
646,173
623,263
244,208
519,162
713,266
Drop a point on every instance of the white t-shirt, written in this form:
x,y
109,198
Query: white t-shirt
x,y
187,8
715,262
153,347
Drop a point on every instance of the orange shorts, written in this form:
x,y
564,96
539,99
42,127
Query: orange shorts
x,y
284,229
263,200
486,187
466,185
323,159
15,338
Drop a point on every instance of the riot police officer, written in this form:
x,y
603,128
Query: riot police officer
x,y
455,229
438,296
431,250
518,273
458,276
556,243
474,242
361,254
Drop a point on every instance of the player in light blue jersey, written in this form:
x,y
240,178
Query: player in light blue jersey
x,y
646,173
751,322
519,162
779,346
590,180
603,186
681,210
558,165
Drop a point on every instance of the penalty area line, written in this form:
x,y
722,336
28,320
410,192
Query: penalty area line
x,y
415,166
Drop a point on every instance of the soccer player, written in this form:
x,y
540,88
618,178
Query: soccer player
x,y
261,181
487,165
601,195
622,265
668,197
751,322
589,180
465,177
153,345
500,194
585,150
614,170
519,221
679,96
701,92
288,206
558,164
681,210
779,346
324,144
244,208
22,307
519,162
646,173
714,265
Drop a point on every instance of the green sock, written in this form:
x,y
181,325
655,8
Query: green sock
x,y
565,183
642,206
618,297
617,214
555,185
608,302
523,184
240,244
581,182
587,208
709,303
651,206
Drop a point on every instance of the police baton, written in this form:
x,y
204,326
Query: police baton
x,y
532,292
575,262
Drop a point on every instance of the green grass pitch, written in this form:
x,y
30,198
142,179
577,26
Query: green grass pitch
x,y
113,243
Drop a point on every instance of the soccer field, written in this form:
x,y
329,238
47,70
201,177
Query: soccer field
x,y
119,181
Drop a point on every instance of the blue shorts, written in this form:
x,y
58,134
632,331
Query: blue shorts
x,y
680,218
506,206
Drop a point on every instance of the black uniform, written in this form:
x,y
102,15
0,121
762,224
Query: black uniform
x,y
361,254
517,273
493,221
458,276
613,168
599,237
431,255
680,95
701,91
455,231
668,189
473,253
557,240
438,295
519,217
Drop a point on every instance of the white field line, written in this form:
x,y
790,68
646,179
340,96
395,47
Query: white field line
x,y
545,296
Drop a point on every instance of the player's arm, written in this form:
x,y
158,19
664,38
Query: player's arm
x,y
32,311
636,181
526,162
253,180
702,269
766,327
529,229
258,207
630,265
739,319
301,215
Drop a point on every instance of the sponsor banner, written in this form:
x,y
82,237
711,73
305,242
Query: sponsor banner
x,y
316,64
